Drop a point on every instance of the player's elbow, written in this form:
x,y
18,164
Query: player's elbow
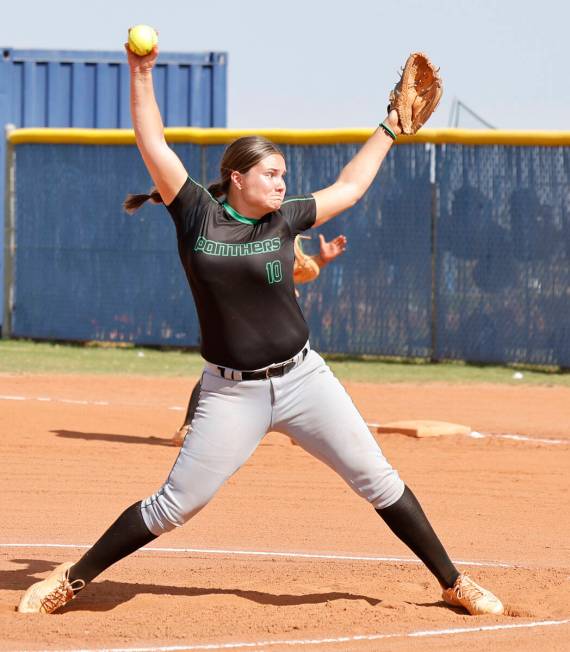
x,y
353,193
336,199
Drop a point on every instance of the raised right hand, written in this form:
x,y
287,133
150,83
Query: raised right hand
x,y
141,64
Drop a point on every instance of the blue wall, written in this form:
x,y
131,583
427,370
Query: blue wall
x,y
45,88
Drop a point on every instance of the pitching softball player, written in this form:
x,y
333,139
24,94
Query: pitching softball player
x,y
235,241
305,269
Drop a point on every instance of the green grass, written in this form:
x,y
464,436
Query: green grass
x,y
22,356
19,356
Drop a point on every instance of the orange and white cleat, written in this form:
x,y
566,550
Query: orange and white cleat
x,y
474,598
55,591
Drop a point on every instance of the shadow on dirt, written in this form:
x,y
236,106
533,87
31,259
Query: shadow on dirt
x,y
109,437
107,594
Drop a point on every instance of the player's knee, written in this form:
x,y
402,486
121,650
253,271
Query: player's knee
x,y
387,490
374,479
164,511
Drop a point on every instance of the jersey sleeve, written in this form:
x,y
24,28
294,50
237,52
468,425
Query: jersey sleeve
x,y
299,212
188,205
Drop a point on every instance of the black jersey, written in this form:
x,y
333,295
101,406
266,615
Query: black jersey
x,y
240,272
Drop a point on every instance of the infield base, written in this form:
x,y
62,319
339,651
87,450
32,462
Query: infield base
x,y
424,428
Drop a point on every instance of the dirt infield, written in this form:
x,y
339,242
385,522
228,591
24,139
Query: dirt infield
x,y
286,556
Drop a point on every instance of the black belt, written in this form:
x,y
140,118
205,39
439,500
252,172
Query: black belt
x,y
262,374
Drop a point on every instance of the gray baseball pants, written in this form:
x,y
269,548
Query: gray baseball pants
x,y
309,404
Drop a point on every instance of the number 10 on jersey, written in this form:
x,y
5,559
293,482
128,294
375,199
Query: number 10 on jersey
x,y
274,272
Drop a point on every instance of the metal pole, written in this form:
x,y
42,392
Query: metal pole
x,y
9,236
452,113
203,165
434,253
476,116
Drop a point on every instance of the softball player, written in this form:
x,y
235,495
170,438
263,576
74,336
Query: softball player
x,y
328,251
235,242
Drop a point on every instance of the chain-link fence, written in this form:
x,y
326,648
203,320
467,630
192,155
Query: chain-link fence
x,y
457,251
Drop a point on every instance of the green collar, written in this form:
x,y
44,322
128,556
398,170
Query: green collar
x,y
237,216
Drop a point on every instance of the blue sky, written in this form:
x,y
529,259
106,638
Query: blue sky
x,y
317,64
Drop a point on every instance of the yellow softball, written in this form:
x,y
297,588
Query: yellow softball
x,y
142,39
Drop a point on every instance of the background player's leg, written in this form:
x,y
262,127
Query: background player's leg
x,y
192,404
320,415
180,434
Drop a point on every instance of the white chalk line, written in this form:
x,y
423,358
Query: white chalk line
x,y
539,440
178,408
326,641
269,553
49,399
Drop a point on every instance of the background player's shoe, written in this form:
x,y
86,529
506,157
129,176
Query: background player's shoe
x,y
52,593
179,435
472,597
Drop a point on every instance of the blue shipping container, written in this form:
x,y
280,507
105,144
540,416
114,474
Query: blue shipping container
x,y
89,89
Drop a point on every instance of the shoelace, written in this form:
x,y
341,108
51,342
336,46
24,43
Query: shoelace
x,y
61,594
468,589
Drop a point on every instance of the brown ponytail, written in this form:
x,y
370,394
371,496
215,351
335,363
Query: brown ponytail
x,y
219,188
133,202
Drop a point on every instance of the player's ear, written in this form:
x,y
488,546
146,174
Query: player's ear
x,y
237,179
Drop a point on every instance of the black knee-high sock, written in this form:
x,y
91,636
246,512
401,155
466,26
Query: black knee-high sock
x,y
408,522
127,534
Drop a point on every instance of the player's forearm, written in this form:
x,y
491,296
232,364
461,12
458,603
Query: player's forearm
x,y
165,168
145,114
359,173
355,178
